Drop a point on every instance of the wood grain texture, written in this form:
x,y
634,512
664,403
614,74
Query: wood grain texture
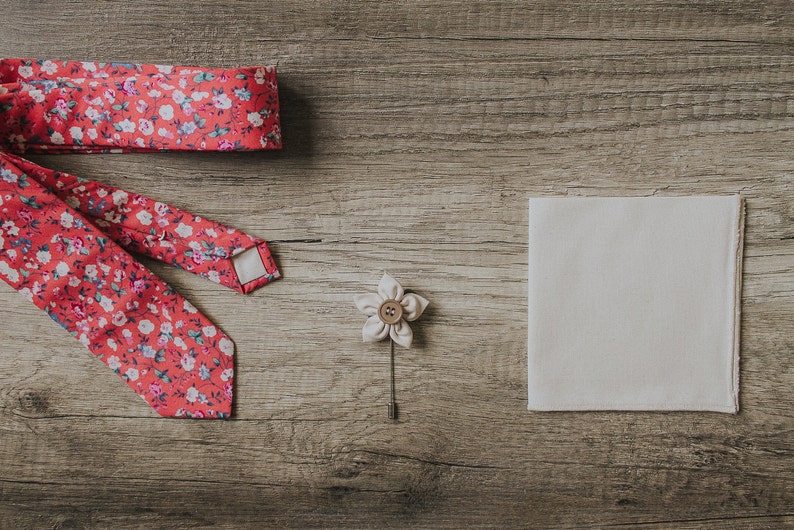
x,y
414,133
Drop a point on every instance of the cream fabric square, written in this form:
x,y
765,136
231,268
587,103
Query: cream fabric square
x,y
634,303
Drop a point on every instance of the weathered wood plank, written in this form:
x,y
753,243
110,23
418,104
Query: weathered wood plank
x,y
414,133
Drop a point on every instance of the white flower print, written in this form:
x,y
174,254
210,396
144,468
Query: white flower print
x,y
166,112
192,394
2,241
49,67
106,303
188,362
255,119
113,362
222,101
92,134
120,197
198,96
10,228
227,374
37,95
226,346
160,208
184,230
145,126
178,96
67,220
389,311
132,374
144,217
112,344
145,327
127,125
190,308
76,133
180,343
43,256
208,331
91,271
259,76
62,269
8,272
88,67
57,138
25,71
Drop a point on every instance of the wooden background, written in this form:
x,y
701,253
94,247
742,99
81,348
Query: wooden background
x,y
414,133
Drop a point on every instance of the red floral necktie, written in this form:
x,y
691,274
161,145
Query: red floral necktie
x,y
64,240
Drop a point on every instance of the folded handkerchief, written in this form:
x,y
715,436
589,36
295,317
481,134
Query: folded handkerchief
x,y
634,303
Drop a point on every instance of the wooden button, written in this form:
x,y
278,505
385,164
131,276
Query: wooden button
x,y
390,312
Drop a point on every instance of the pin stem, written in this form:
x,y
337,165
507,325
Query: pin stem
x,y
392,402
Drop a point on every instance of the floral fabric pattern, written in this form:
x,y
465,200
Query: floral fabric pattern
x,y
64,240
49,106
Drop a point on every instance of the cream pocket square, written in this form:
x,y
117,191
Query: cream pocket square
x,y
634,303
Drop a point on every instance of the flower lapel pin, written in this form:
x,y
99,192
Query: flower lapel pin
x,y
389,311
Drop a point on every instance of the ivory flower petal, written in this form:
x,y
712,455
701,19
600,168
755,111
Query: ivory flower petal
x,y
389,289
413,306
368,303
401,334
375,330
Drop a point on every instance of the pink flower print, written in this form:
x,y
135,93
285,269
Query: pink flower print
x,y
225,145
77,244
141,106
82,326
197,414
26,215
228,389
138,286
119,275
61,105
198,257
128,87
78,310
110,95
155,389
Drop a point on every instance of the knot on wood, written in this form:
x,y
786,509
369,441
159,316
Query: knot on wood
x,y
37,401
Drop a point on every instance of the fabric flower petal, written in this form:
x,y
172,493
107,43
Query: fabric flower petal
x,y
368,303
413,306
374,330
389,289
401,334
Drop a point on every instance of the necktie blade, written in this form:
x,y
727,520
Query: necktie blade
x,y
70,106
144,331
157,230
